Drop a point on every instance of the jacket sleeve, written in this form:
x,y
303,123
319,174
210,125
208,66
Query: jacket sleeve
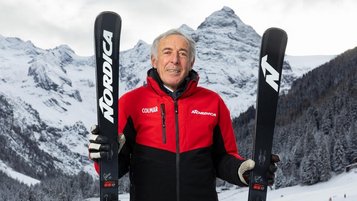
x,y
126,127
225,151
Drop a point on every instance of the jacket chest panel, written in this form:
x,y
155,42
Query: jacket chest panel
x,y
163,123
199,120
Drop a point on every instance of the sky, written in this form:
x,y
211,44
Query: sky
x,y
314,27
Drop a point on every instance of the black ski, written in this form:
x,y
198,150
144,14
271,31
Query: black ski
x,y
107,29
270,67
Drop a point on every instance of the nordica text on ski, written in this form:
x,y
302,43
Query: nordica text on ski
x,y
106,101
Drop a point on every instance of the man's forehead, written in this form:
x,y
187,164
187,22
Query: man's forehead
x,y
174,41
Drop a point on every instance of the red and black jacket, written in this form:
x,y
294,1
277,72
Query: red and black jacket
x,y
176,143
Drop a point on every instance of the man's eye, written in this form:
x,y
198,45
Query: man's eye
x,y
183,54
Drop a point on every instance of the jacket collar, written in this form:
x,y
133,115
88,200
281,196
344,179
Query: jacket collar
x,y
185,89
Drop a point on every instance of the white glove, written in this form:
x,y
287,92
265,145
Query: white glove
x,y
243,170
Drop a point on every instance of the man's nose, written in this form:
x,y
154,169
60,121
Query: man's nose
x,y
175,58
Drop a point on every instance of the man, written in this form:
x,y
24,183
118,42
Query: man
x,y
178,136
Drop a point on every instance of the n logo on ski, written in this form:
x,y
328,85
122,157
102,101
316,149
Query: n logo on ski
x,y
273,77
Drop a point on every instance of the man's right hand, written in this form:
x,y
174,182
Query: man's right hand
x,y
99,145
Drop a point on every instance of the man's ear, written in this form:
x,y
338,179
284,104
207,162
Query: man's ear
x,y
153,61
192,62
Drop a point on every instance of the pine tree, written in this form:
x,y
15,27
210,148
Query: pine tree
x,y
352,153
309,170
323,162
338,160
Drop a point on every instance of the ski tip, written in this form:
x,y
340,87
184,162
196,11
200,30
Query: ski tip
x,y
108,19
276,30
108,14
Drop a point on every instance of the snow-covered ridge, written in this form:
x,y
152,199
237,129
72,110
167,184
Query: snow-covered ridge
x,y
18,176
303,64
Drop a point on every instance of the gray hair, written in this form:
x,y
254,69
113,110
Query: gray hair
x,y
191,42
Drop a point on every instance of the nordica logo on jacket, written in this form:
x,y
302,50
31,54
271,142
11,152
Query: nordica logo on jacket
x,y
106,101
203,113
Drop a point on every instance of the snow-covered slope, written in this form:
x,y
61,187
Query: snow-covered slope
x,y
14,174
336,188
339,188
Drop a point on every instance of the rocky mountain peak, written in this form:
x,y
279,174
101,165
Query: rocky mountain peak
x,y
224,18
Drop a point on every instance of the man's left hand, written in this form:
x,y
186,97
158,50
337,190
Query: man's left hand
x,y
247,166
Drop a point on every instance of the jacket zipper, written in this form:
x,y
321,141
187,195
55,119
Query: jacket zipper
x,y
177,152
163,121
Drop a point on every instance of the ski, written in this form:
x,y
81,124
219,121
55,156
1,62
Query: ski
x,y
107,29
271,60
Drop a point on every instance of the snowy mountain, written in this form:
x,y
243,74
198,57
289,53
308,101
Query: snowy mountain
x,y
47,97
226,60
42,108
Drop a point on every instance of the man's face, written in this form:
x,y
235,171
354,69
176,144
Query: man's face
x,y
173,61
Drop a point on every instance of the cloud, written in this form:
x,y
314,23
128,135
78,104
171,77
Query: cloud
x,y
313,26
